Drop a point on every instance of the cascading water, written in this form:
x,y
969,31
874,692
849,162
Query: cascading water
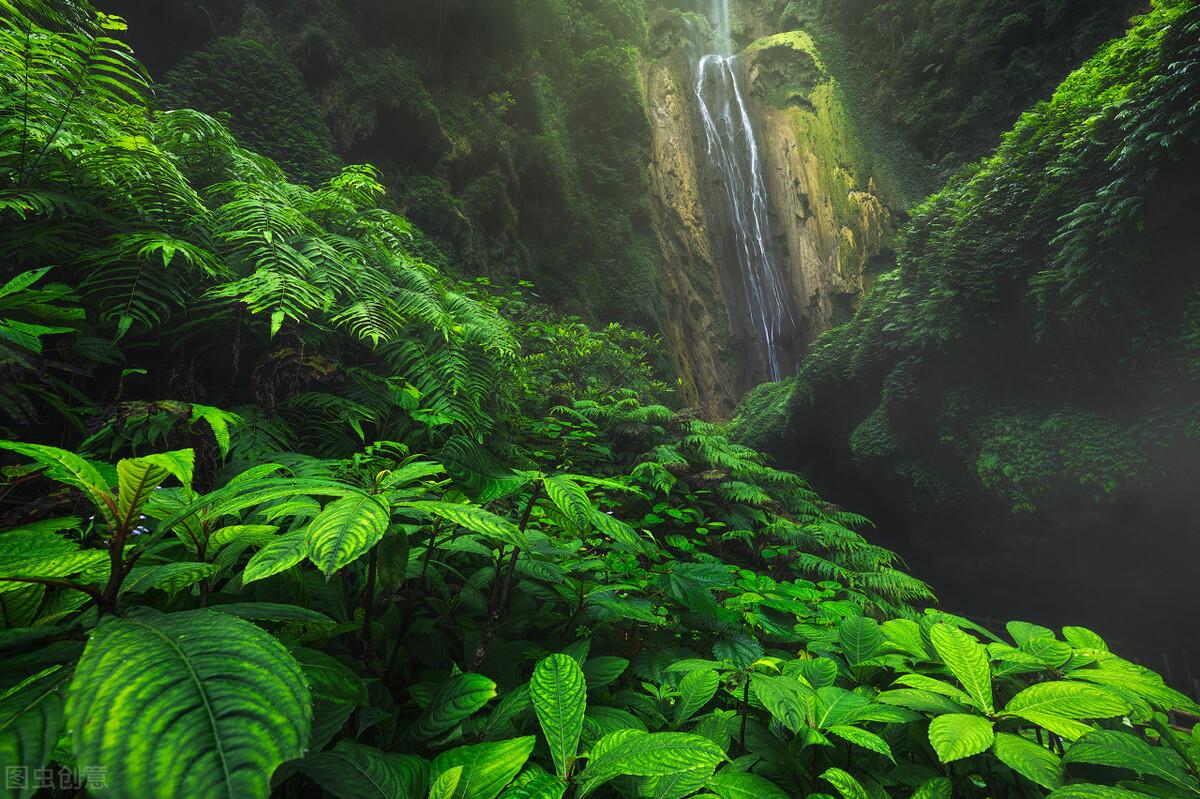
x,y
733,152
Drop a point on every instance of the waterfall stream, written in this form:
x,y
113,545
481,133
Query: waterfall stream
x,y
734,154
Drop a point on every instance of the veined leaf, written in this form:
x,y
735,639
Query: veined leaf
x,y
559,692
271,611
1066,728
861,639
446,783
345,530
696,689
455,701
201,688
935,788
487,767
1036,763
1072,700
845,783
643,754
571,500
354,771
31,719
967,660
730,784
330,678
168,577
787,700
475,519
862,738
958,735
917,699
1122,750
277,556
70,469
603,670
1083,638
1085,791
923,683
260,534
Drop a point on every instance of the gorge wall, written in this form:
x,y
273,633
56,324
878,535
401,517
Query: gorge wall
x,y
555,141
829,209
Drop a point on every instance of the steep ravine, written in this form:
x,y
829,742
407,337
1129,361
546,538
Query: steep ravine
x,y
829,213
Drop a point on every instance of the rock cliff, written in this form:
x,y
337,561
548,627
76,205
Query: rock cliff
x,y
829,211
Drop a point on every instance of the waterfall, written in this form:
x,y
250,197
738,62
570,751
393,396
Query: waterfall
x,y
733,152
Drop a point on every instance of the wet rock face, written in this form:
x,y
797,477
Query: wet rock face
x,y
829,217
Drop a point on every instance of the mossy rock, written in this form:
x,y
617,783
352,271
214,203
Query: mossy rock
x,y
785,69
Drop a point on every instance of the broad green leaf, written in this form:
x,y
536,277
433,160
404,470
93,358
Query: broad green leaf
x,y
1071,700
861,639
475,519
935,788
279,555
967,661
1123,750
571,500
1036,763
456,700
202,689
1066,728
730,784
354,771
838,706
845,783
619,531
1085,791
136,480
559,693
696,689
31,719
1023,632
70,469
345,530
643,754
819,672
862,738
958,735
34,552
446,783
487,767
1050,651
260,534
787,700
904,635
168,577
676,785
271,611
603,670
923,683
917,699
330,679
740,650
1083,638
535,783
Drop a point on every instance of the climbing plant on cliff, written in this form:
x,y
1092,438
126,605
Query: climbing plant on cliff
x,y
287,511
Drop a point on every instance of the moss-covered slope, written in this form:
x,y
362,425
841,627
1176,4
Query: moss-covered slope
x,y
1027,383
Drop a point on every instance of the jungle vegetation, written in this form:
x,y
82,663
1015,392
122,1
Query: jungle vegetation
x,y
289,510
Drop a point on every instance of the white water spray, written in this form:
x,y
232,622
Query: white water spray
x,y
733,151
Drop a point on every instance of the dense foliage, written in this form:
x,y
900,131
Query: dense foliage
x,y
1032,363
950,76
293,512
524,139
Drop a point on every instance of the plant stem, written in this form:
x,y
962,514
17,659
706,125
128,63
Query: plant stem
x,y
489,629
369,604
